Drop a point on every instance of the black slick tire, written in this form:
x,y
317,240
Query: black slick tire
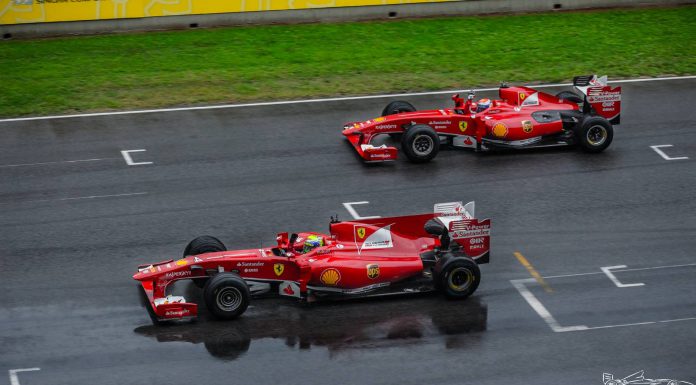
x,y
397,107
458,278
201,245
204,244
594,134
226,295
420,143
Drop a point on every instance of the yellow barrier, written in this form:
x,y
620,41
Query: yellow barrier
x,y
40,11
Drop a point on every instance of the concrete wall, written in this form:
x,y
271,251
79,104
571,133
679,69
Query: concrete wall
x,y
461,7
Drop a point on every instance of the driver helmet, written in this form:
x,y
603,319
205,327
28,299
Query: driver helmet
x,y
483,104
312,242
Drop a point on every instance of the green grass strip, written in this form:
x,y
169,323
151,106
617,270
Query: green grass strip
x,y
222,65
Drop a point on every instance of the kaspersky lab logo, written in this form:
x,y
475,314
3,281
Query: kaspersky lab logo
x,y
638,378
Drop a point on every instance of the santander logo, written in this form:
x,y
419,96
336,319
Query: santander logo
x,y
288,290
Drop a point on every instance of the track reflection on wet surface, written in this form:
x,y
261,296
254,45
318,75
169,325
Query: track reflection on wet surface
x,y
338,326
70,307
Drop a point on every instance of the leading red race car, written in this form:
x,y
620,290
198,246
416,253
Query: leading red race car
x,y
395,255
521,118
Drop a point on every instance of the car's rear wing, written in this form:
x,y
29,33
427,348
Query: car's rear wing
x,y
463,228
599,97
455,208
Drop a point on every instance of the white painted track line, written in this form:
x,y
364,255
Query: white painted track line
x,y
607,270
278,103
349,207
129,160
76,198
56,162
620,270
14,380
543,312
540,308
665,156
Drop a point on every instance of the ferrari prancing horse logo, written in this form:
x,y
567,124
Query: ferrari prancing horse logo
x,y
361,232
463,126
278,268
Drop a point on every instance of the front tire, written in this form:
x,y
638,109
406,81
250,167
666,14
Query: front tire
x,y
420,143
226,295
201,245
397,107
459,278
594,134
204,244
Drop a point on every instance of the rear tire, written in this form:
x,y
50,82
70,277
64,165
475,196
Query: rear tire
x,y
397,107
420,143
226,295
459,277
201,245
594,134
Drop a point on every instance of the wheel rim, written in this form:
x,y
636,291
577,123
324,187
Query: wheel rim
x,y
422,145
596,135
228,299
460,279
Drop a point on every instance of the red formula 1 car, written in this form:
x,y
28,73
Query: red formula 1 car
x,y
382,256
521,118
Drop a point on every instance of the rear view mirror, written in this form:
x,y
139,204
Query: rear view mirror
x,y
282,240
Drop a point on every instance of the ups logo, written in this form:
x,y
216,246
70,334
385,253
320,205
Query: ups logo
x,y
372,271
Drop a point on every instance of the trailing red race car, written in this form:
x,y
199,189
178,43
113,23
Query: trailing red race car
x,y
521,118
382,256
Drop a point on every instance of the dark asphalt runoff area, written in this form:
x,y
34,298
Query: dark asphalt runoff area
x,y
76,220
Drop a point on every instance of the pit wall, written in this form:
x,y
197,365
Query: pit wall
x,y
34,18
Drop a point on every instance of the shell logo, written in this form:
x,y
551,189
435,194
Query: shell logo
x,y
500,130
330,277
181,262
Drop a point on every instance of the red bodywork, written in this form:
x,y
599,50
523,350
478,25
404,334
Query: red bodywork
x,y
358,258
522,117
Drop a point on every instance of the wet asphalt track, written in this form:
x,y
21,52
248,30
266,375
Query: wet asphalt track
x,y
70,307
